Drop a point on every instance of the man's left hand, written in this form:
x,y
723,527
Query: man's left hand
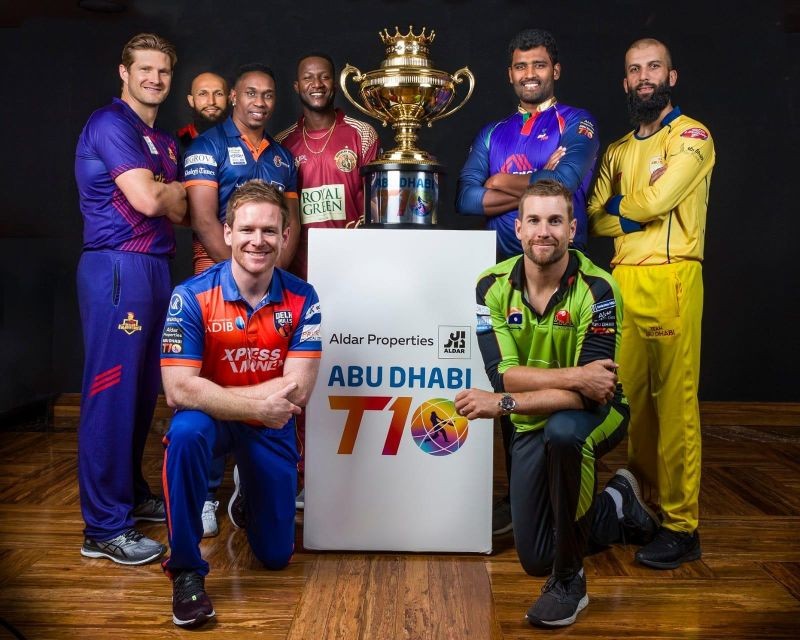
x,y
475,403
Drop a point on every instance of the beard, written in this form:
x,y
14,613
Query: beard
x,y
558,253
647,110
324,108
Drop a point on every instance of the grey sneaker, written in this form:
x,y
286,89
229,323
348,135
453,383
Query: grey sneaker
x,y
560,603
131,547
210,528
151,509
639,524
300,500
236,510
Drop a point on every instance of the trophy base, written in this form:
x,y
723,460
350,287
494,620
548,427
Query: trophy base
x,y
402,195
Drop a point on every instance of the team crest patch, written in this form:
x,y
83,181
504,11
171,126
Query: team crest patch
x,y
283,323
514,318
695,132
129,325
276,160
345,160
562,318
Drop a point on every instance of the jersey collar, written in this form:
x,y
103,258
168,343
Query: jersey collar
x,y
544,106
517,278
230,291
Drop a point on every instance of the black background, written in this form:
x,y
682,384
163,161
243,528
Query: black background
x,y
737,73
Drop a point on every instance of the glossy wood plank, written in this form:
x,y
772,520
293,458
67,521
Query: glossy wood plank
x,y
745,586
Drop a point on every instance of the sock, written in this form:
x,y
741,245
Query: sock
x,y
616,496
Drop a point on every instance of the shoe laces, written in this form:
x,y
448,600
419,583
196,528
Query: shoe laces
x,y
559,589
210,507
187,585
132,536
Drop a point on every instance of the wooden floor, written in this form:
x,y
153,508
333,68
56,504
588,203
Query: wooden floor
x,y
747,584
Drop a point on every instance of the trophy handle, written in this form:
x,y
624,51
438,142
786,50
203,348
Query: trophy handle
x,y
457,79
348,69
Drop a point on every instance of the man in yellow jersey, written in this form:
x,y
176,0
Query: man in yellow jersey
x,y
651,196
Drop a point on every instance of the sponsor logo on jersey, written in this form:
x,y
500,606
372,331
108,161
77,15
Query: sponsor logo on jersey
x,y
345,160
562,319
224,324
322,204
253,359
201,158
605,304
150,145
172,339
175,304
283,323
313,310
171,153
696,133
483,319
129,325
298,160
311,333
240,323
586,128
236,155
543,135
514,318
516,163
656,163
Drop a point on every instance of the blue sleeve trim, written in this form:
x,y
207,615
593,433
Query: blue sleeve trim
x,y
628,225
612,206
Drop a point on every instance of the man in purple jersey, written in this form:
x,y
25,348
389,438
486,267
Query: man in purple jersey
x,y
126,171
542,140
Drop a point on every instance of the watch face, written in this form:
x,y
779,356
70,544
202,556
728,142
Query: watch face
x,y
507,404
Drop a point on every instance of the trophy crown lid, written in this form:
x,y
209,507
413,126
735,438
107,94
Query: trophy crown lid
x,y
410,43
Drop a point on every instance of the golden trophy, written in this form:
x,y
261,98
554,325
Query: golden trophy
x,y
402,186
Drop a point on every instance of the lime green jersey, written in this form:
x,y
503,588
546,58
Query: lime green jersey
x,y
581,323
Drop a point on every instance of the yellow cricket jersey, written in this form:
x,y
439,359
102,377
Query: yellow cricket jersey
x,y
663,222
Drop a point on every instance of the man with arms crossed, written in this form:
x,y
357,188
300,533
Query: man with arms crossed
x,y
651,196
240,355
548,330
126,172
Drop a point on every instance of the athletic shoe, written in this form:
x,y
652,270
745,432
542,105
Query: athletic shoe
x,y
501,517
639,523
210,528
131,547
670,549
300,500
151,509
190,602
236,510
560,603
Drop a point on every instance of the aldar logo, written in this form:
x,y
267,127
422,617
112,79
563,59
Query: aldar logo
x,y
454,342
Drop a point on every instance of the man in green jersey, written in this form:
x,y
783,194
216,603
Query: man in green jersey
x,y
548,329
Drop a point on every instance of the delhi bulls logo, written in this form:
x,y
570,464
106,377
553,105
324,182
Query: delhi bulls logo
x,y
283,323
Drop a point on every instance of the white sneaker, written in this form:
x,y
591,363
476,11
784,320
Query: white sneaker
x,y
210,528
300,500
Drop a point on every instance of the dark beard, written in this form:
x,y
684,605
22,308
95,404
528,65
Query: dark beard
x,y
327,107
647,111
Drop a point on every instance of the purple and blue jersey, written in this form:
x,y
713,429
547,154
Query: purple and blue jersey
x,y
522,144
116,140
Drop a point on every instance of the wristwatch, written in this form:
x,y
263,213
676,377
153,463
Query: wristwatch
x,y
507,404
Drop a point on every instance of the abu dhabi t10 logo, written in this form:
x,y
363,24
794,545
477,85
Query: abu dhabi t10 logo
x,y
435,426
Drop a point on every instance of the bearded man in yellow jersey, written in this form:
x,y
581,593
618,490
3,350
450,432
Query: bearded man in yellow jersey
x,y
651,196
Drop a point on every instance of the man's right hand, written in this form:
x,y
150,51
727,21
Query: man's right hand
x,y
597,380
275,410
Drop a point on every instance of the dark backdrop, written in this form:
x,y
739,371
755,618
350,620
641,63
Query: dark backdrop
x,y
738,73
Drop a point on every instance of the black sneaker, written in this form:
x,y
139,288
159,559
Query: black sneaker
x,y
560,603
236,511
152,509
501,517
131,547
190,602
639,523
670,549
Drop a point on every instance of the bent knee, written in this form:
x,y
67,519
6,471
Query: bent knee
x,y
188,426
274,559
